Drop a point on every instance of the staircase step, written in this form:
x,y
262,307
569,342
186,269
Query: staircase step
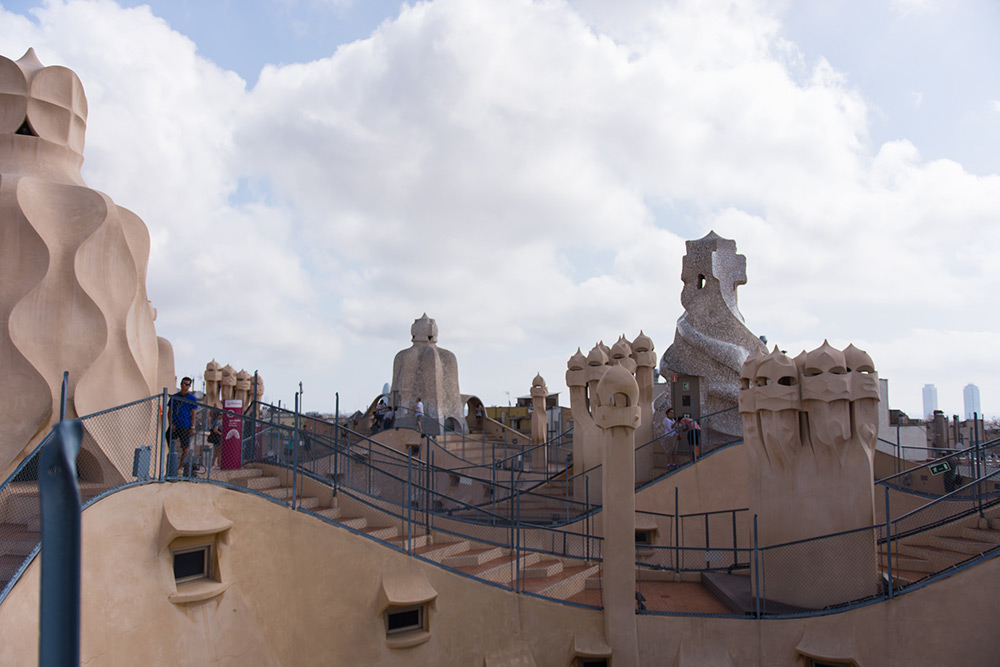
x,y
260,482
414,542
501,570
568,582
964,545
356,522
327,512
381,532
907,563
439,550
982,534
544,568
940,558
16,540
473,557
236,476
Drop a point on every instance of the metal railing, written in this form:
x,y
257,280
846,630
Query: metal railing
x,y
127,446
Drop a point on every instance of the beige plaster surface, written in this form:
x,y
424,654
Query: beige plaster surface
x,y
301,592
72,269
305,593
810,427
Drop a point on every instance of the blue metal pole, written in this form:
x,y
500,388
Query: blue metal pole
x,y
63,396
677,533
295,453
409,505
888,538
756,568
59,638
164,445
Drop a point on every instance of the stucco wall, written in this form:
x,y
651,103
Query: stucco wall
x,y
303,592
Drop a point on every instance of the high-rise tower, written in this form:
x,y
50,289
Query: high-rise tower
x,y
930,401
971,395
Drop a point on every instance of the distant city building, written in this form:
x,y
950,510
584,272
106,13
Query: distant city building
x,y
971,394
930,401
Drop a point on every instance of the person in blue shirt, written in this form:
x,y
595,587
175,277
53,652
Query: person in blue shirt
x,y
182,415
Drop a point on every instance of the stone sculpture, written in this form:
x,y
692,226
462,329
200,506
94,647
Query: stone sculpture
x,y
244,387
582,377
430,373
810,427
72,270
711,340
213,384
539,422
228,383
617,414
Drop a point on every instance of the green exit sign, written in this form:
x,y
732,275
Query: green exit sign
x,y
939,468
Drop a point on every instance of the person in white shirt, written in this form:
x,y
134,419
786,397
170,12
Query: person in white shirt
x,y
669,441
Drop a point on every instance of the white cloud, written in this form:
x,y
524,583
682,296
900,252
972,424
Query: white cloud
x,y
525,172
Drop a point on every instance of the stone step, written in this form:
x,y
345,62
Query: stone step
x,y
938,557
544,568
284,493
356,522
437,551
982,534
472,557
381,532
406,544
567,582
327,512
501,570
908,563
17,540
260,482
961,544
235,476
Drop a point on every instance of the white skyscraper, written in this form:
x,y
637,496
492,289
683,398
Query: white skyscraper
x,y
930,401
971,394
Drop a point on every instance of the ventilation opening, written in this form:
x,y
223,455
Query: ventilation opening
x,y
193,563
400,620
591,662
26,130
644,537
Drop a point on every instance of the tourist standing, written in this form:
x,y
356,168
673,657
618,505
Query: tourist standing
x,y
182,408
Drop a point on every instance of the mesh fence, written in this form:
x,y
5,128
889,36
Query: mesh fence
x,y
503,528
816,574
119,447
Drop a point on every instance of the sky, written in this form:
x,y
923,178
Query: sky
x,y
317,174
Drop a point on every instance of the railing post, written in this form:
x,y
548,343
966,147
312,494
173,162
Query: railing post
x,y
677,532
586,491
888,538
517,540
979,462
568,480
409,504
756,569
59,497
295,453
63,396
707,542
736,553
164,445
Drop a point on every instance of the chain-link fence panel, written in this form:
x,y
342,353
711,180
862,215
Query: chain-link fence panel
x,y
816,574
